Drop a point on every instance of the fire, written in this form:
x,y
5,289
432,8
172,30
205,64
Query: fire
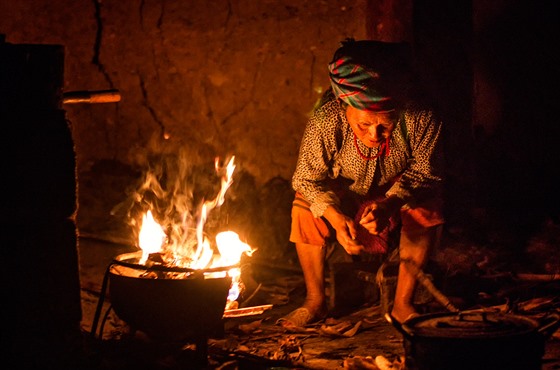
x,y
185,246
151,236
208,206
231,248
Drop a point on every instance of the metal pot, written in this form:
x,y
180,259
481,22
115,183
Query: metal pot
x,y
164,308
475,340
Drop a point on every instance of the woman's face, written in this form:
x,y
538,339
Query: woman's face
x,y
372,128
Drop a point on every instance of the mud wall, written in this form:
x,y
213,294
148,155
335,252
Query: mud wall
x,y
207,78
219,78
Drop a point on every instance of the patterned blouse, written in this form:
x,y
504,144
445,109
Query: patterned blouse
x,y
327,151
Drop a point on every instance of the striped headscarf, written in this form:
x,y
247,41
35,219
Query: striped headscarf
x,y
368,74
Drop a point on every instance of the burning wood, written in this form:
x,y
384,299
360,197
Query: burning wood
x,y
171,234
247,311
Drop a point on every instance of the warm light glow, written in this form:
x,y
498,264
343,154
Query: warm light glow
x,y
231,248
210,205
205,256
187,252
151,236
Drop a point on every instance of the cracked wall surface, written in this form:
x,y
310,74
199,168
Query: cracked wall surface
x,y
213,78
219,78
229,77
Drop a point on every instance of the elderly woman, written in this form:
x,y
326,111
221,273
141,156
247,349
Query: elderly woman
x,y
370,162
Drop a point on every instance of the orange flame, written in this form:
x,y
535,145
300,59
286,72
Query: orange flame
x,y
152,236
231,249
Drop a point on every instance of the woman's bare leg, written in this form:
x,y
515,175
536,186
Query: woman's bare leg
x,y
415,246
312,261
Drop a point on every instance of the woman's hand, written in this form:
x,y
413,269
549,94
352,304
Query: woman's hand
x,y
376,216
345,230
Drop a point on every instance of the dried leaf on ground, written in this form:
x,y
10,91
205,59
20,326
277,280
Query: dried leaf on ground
x,y
336,329
370,363
341,329
251,327
385,364
537,304
290,349
360,363
353,331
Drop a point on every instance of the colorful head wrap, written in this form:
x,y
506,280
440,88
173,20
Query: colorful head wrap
x,y
368,74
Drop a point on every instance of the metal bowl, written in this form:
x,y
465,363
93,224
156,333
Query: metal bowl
x,y
167,308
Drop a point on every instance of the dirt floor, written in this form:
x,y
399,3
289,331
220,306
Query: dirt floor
x,y
351,338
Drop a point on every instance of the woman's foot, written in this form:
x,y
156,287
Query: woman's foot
x,y
305,315
404,313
